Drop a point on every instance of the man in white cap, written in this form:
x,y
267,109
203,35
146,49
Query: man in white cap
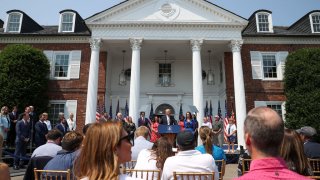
x,y
217,129
311,148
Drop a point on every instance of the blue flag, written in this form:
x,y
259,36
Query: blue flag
x,y
126,110
210,109
151,115
180,112
219,109
110,110
206,110
118,109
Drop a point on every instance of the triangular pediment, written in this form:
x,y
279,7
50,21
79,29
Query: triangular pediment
x,y
175,11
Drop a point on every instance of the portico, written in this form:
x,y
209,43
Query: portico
x,y
187,30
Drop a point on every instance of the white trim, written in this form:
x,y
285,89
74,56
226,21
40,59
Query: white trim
x,y
7,23
45,39
281,40
266,103
311,22
73,21
269,22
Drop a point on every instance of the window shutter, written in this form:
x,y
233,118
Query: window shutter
x,y
282,57
259,103
71,107
75,64
256,64
50,58
283,108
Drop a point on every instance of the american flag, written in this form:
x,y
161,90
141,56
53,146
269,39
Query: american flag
x,y
225,122
98,115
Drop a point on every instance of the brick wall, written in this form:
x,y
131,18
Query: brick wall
x,y
75,89
256,89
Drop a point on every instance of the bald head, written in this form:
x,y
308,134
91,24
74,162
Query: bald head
x,y
265,129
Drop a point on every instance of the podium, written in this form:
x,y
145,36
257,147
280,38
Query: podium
x,y
169,131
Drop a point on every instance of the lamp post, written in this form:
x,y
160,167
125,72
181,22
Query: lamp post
x,y
210,78
122,76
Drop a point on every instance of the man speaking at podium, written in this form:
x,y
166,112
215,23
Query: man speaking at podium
x,y
167,119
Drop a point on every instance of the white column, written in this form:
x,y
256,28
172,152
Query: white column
x,y
240,98
197,79
91,105
135,80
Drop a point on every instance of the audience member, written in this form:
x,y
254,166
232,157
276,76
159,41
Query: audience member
x,y
13,121
101,160
62,125
129,125
71,122
208,147
41,131
26,111
119,117
264,131
85,128
4,124
292,153
23,134
167,119
206,122
154,158
217,129
4,171
143,121
64,159
188,159
47,121
154,129
141,142
231,134
311,147
51,147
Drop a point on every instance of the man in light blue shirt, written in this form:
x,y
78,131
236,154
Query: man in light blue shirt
x,y
51,147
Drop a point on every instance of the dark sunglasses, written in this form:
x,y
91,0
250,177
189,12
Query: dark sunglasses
x,y
129,138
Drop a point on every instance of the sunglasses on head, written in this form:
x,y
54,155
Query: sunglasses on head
x,y
129,138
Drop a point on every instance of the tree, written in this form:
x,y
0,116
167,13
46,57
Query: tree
x,y
302,88
23,77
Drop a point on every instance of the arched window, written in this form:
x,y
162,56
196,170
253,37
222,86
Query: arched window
x,y
162,107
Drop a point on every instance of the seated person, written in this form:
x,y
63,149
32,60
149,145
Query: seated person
x,y
51,147
141,142
64,159
187,159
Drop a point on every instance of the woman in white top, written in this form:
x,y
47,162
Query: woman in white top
x,y
48,123
206,122
231,134
71,122
154,158
106,146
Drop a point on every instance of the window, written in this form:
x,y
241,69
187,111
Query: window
x,y
67,22
315,22
61,65
264,22
269,66
55,109
165,74
278,106
64,65
14,22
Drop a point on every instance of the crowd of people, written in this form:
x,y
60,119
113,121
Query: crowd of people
x,y
102,148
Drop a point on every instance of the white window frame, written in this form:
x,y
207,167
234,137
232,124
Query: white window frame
x,y
70,106
266,103
56,102
53,65
269,21
73,21
7,23
257,64
158,84
311,21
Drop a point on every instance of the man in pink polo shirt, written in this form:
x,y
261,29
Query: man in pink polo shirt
x,y
264,131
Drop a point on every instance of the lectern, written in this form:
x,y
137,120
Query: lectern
x,y
169,131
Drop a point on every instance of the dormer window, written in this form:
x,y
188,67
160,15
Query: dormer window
x,y
264,22
315,22
67,22
14,22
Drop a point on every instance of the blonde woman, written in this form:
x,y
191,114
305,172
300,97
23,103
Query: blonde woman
x,y
4,122
106,146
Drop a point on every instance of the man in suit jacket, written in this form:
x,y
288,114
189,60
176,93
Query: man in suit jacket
x,y
167,119
41,131
13,121
143,121
63,125
23,134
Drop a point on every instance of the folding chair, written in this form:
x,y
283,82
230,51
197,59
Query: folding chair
x,y
143,174
52,174
245,165
221,167
193,175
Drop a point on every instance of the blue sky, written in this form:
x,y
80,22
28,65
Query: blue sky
x,y
45,12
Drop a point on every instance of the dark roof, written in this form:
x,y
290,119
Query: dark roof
x,y
128,0
31,28
28,25
80,25
1,23
300,28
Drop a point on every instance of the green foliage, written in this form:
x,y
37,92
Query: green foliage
x,y
302,88
23,77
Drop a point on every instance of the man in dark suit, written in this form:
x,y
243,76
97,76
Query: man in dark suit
x,y
13,121
40,132
167,119
143,121
63,125
23,134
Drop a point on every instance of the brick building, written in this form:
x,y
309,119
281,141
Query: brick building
x,y
163,53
